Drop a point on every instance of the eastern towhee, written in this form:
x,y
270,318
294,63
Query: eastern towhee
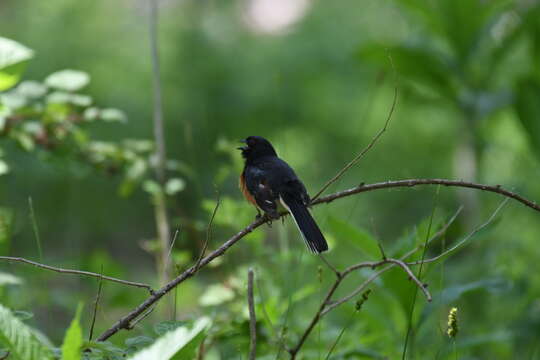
x,y
268,181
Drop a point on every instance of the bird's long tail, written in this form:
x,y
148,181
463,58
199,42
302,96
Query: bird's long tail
x,y
306,224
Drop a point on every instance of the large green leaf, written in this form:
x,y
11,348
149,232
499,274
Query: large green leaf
x,y
452,294
344,231
528,109
13,59
420,65
71,348
179,344
19,339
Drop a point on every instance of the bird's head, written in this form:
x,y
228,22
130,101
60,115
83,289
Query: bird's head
x,y
256,147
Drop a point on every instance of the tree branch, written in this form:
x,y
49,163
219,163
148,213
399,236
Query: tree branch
x,y
416,182
77,272
124,322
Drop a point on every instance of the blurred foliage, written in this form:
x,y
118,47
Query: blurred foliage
x,y
469,83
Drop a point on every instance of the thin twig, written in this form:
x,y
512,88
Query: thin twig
x,y
330,266
315,320
357,308
252,317
77,272
413,277
331,305
96,302
263,307
140,318
123,322
413,302
371,143
175,297
35,227
208,231
176,233
465,239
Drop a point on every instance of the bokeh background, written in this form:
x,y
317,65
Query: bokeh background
x,y
317,78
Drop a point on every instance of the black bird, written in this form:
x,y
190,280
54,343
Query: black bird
x,y
267,181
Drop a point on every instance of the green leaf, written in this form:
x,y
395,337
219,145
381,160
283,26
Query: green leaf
x,y
6,222
113,115
179,344
9,279
343,231
24,140
72,346
138,342
4,167
174,186
19,339
23,315
216,294
62,97
453,293
103,350
32,89
528,109
152,187
420,65
166,326
13,59
68,80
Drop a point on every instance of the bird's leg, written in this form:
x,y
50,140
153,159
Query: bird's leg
x,y
258,216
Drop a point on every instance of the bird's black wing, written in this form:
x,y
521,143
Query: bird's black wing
x,y
257,183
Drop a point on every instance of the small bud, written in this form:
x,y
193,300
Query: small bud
x,y
452,329
361,301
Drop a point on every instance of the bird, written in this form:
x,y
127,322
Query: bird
x,y
268,182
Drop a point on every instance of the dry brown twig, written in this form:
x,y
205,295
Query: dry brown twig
x,y
96,302
78,272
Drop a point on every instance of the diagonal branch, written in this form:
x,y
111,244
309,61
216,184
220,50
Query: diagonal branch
x,y
77,272
123,323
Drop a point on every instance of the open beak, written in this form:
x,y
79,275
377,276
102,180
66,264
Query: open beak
x,y
243,141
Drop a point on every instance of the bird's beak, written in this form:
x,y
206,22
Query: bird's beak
x,y
243,141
